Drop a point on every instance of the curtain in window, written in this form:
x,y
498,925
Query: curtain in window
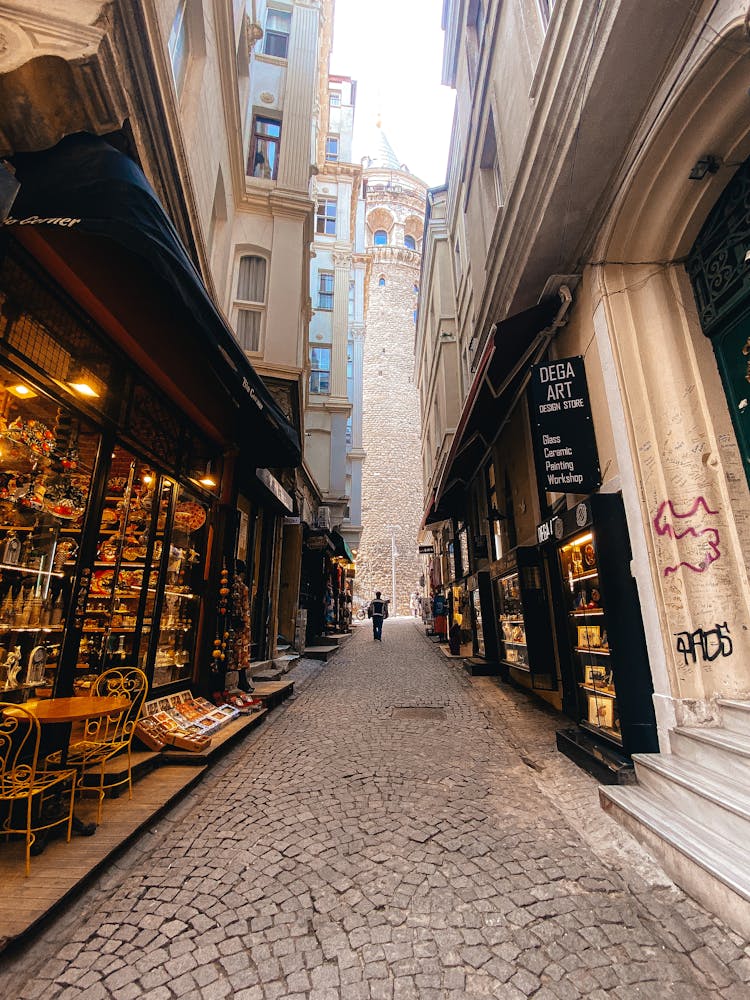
x,y
248,329
251,283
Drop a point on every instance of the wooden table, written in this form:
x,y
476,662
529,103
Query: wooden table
x,y
75,709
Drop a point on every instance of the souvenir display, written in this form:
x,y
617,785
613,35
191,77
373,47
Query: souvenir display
x,y
47,455
590,644
512,625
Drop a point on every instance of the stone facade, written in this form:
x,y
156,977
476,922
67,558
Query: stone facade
x,y
391,482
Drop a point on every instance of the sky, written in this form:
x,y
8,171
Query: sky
x,y
394,50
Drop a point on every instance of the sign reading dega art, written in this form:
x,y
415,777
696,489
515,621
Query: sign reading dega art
x,y
563,431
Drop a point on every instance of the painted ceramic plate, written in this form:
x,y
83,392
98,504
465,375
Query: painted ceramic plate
x,y
101,581
189,515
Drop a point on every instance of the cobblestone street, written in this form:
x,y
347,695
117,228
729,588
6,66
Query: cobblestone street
x,y
355,846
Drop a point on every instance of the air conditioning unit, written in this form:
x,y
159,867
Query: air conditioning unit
x,y
324,518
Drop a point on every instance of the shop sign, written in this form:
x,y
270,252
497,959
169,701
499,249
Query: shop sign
x,y
427,550
293,520
272,484
549,529
565,451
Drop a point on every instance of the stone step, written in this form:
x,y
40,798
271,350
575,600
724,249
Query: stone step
x,y
286,662
321,652
713,871
690,789
717,750
735,715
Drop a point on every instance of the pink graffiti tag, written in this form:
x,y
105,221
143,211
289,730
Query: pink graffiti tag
x,y
700,540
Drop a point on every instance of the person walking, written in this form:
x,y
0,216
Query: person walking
x,y
378,611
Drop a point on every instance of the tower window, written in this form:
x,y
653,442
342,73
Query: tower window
x,y
380,238
381,282
410,243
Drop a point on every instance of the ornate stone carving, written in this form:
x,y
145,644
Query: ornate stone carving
x,y
57,74
267,97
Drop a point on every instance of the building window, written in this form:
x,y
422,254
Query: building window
x,y
489,169
410,243
276,35
381,282
332,149
380,238
334,99
325,290
320,376
325,219
179,45
264,155
250,301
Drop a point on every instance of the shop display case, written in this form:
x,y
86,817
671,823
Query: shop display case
x,y
606,674
144,596
589,636
523,617
178,618
511,622
47,457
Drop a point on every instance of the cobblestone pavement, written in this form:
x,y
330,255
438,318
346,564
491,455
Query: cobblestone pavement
x,y
359,845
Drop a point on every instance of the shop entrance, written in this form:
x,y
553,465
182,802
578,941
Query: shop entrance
x,y
720,273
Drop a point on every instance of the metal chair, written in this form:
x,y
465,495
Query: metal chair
x,y
21,781
110,735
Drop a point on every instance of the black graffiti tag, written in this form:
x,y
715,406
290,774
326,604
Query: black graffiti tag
x,y
710,643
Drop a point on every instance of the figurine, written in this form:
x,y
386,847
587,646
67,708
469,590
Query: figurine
x,y
13,668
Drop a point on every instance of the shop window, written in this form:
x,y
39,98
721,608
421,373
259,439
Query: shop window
x,y
325,217
380,238
325,290
264,153
179,45
276,34
250,301
332,148
410,243
47,463
320,376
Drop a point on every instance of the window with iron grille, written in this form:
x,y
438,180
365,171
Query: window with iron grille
x,y
320,376
250,301
325,218
325,290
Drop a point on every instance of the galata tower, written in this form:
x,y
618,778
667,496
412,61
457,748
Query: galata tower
x,y
392,474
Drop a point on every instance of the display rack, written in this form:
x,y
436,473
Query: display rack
x,y
590,647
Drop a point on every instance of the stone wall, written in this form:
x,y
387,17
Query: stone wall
x,y
392,477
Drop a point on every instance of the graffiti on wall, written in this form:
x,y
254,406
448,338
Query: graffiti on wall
x,y
710,643
691,529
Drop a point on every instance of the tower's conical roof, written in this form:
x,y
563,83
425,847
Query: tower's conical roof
x,y
379,152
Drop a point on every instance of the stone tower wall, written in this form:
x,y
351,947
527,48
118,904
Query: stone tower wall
x,y
392,476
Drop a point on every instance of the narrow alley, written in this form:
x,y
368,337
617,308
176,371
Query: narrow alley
x,y
397,830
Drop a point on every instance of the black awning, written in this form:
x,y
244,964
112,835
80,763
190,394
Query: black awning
x,y
342,549
83,188
499,379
